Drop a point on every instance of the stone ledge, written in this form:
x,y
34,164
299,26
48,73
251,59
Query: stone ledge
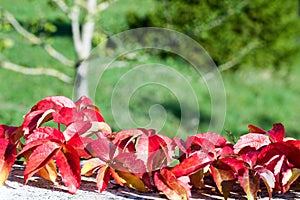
x,y
40,189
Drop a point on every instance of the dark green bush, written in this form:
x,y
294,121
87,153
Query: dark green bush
x,y
258,33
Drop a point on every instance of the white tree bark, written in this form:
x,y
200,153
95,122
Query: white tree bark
x,y
83,46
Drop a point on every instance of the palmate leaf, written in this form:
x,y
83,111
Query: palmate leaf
x,y
129,162
45,133
40,157
205,141
67,116
68,163
7,159
102,148
53,102
197,161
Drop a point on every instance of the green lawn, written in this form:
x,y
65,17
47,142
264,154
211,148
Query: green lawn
x,y
258,96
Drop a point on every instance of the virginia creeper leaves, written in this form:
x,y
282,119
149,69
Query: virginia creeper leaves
x,y
142,159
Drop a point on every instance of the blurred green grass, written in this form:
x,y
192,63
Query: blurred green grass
x,y
258,96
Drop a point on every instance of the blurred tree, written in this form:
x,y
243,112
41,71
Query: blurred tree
x,y
258,33
82,17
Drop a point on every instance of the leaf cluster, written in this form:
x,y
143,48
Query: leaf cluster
x,y
142,159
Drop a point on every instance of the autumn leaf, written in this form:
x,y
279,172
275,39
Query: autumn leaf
x,y
7,159
172,187
103,177
195,162
39,158
253,140
224,179
68,163
249,182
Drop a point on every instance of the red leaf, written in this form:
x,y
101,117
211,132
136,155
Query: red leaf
x,y
7,131
167,182
40,157
30,121
103,177
68,163
53,102
224,180
205,141
79,144
102,148
67,116
277,133
7,159
76,128
83,102
155,145
255,129
93,115
268,177
234,163
249,182
192,164
162,186
46,133
130,163
254,140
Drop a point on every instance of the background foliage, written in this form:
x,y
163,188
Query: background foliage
x,y
263,88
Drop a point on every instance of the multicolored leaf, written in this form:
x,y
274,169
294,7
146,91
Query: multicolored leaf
x,y
173,188
224,179
68,163
8,156
253,140
40,157
103,177
249,182
132,181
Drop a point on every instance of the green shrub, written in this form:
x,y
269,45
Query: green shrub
x,y
262,33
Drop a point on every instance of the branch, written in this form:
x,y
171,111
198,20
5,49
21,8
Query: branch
x,y
17,26
234,61
37,41
58,56
88,28
102,6
62,5
74,17
219,20
239,57
36,71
